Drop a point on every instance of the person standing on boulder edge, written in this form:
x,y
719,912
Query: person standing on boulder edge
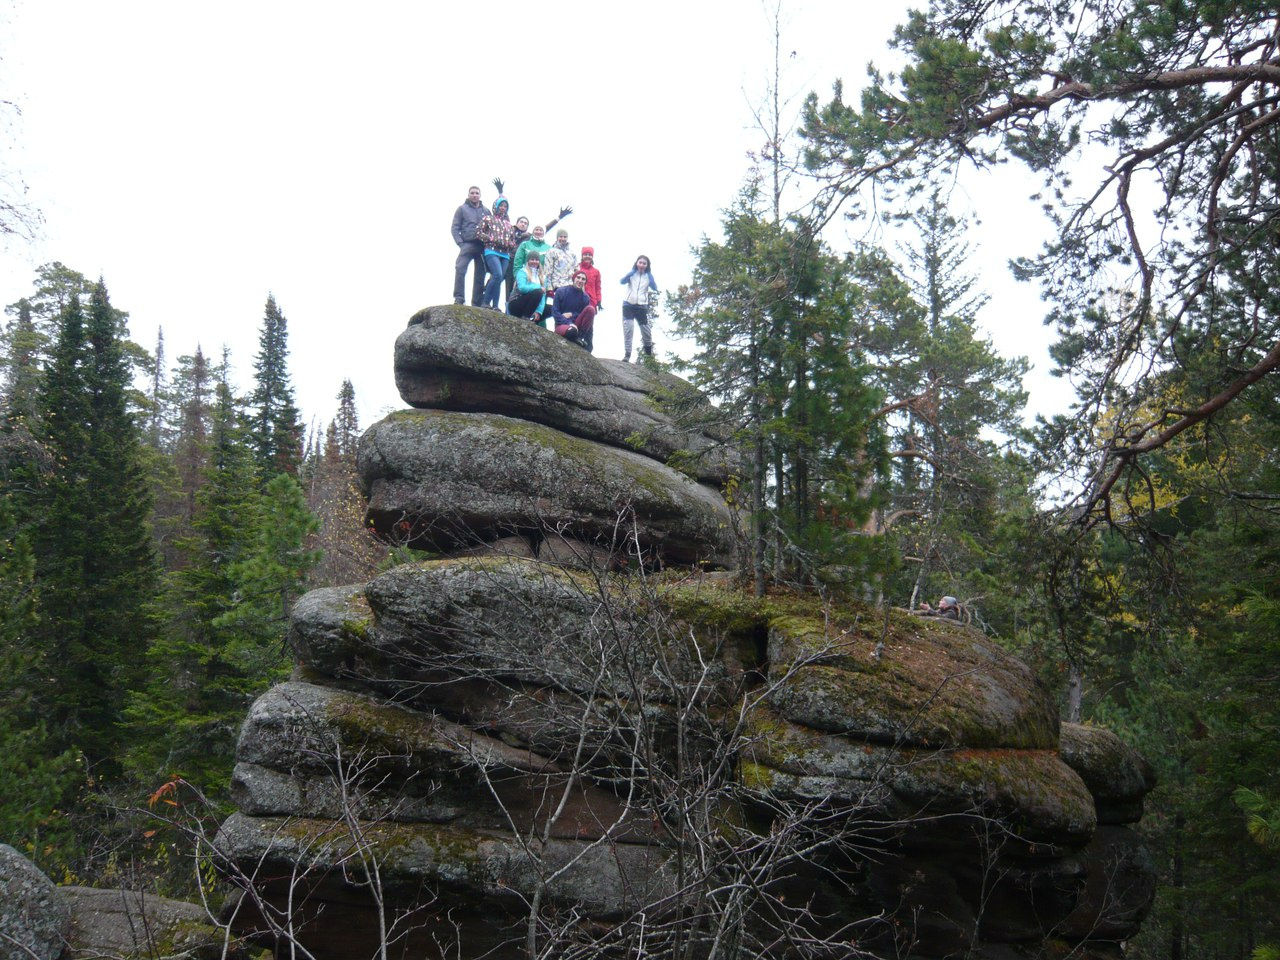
x,y
466,219
498,235
635,307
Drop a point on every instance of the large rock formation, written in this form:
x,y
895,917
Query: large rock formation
x,y
516,744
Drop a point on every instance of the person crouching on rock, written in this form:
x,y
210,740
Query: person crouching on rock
x,y
530,299
574,313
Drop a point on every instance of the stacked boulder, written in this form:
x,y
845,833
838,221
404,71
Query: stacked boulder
x,y
533,741
518,440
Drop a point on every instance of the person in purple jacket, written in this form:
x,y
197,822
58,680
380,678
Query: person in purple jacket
x,y
573,312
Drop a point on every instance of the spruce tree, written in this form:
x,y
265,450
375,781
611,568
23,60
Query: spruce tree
x,y
276,425
952,406
88,508
347,423
185,721
22,367
36,781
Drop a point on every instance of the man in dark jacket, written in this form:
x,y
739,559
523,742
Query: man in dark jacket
x,y
470,250
574,312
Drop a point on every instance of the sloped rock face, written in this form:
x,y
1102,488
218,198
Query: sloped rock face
x,y
514,748
34,916
448,481
126,924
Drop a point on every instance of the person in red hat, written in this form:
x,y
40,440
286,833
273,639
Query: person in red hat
x,y
587,266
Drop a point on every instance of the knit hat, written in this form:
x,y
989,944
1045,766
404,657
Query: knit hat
x,y
589,252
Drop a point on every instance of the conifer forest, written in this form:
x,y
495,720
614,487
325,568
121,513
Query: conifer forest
x,y
157,526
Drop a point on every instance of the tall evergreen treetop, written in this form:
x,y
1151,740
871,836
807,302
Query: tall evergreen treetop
x,y
346,424
276,425
88,510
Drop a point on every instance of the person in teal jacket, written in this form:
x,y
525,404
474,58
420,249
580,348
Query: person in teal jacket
x,y
530,299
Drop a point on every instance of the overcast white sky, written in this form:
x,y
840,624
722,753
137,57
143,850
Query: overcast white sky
x,y
198,157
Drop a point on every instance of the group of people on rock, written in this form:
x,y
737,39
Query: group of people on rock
x,y
544,281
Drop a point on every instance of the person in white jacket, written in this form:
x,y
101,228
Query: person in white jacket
x,y
635,307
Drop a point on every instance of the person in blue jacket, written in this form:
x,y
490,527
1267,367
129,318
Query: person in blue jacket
x,y
635,307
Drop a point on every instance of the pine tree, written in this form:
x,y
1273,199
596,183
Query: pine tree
x,y
951,402
277,427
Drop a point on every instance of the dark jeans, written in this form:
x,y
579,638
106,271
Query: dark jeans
x,y
471,251
523,304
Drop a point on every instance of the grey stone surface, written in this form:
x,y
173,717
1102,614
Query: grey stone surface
x,y
132,925
929,685
605,880
448,481
1038,797
1115,773
34,915
310,751
467,359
